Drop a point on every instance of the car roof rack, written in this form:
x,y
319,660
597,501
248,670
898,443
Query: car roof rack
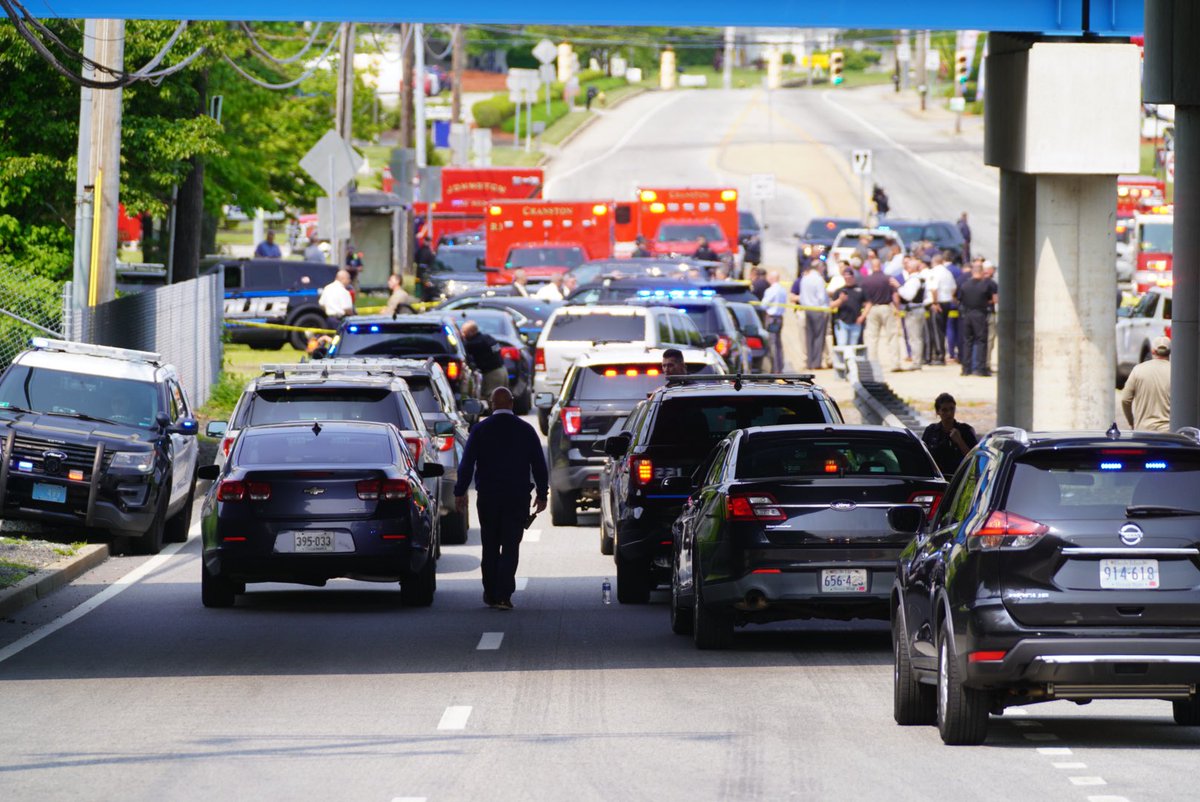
x,y
88,349
341,365
739,379
1011,432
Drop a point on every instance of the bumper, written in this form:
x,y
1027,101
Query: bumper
x,y
647,537
577,476
797,593
314,569
117,506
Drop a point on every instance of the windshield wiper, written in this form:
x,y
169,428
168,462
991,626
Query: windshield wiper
x,y
1154,511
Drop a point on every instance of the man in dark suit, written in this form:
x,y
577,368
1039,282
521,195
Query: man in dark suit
x,y
502,453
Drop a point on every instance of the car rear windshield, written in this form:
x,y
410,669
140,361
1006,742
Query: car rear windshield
x,y
613,328
768,455
546,257
302,448
689,232
705,316
287,405
747,318
394,339
635,381
459,260
696,424
124,401
1102,484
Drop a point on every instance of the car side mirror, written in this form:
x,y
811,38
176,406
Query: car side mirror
x,y
432,470
208,472
544,401
681,485
908,519
185,426
443,428
618,444
216,428
163,421
471,406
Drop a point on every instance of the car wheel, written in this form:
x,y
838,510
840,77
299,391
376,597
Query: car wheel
x,y
177,527
962,713
1187,711
524,402
606,538
216,591
913,702
310,320
563,511
712,627
633,582
544,421
418,590
681,617
151,541
455,526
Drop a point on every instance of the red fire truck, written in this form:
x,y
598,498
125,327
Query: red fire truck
x,y
545,237
672,220
1136,194
466,193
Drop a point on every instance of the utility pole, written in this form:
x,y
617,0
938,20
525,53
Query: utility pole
x,y
458,62
727,60
922,72
406,86
344,123
83,180
903,57
419,92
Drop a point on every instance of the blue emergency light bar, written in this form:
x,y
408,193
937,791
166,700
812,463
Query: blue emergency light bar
x,y
676,294
1111,466
1157,465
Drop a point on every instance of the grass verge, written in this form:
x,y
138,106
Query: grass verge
x,y
12,573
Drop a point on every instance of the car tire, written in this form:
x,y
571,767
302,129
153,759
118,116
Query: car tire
x,y
563,510
913,702
418,590
962,713
544,421
524,402
216,591
1187,711
712,627
177,527
455,526
151,541
309,320
633,582
606,538
681,617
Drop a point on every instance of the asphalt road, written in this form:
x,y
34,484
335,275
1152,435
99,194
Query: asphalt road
x,y
341,693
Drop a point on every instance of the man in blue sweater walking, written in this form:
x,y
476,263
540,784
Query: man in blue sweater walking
x,y
502,453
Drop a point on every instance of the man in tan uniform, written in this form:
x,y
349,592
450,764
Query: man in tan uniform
x,y
1147,396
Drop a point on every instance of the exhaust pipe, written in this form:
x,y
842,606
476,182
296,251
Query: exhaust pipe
x,y
754,602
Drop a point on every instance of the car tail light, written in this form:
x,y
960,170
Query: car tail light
x,y
642,469
445,442
387,489
453,369
985,657
1167,331
226,444
510,353
539,359
414,445
929,499
1008,531
572,420
754,507
233,490
723,345
755,342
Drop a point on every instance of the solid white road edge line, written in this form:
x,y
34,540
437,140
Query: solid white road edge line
x,y
113,590
455,717
490,641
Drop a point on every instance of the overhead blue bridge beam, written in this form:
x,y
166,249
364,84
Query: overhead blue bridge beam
x,y
1053,17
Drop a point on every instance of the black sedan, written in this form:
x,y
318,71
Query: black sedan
x,y
819,236
310,502
796,522
501,325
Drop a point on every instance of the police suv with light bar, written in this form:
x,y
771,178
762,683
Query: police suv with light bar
x,y
97,438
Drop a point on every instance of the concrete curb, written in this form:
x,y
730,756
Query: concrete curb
x,y
50,579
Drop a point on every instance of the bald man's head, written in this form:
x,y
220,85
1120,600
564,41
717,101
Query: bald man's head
x,y
502,398
470,329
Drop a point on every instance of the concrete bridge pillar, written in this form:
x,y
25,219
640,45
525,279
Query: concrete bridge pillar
x,y
1062,122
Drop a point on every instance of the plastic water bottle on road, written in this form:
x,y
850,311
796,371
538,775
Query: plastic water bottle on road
x,y
606,591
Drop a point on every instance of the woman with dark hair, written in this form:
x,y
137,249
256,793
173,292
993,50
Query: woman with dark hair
x,y
948,440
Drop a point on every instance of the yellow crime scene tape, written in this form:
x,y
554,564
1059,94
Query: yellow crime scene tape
x,y
797,307
278,327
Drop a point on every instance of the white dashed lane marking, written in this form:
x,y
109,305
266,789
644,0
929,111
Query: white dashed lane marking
x,y
455,717
1107,799
1075,766
409,799
1087,781
1054,750
490,641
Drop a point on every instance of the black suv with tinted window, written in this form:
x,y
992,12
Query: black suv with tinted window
x,y
670,434
1058,566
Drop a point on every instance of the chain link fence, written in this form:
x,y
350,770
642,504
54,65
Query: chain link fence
x,y
30,306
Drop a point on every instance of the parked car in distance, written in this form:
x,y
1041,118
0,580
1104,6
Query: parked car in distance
x,y
455,270
751,327
517,355
817,238
713,319
943,234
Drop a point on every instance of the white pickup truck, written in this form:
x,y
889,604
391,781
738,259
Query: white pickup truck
x,y
1138,325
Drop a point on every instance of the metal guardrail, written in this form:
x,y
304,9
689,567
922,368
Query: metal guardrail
x,y
875,400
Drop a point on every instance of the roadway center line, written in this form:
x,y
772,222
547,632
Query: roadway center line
x,y
112,591
455,717
532,536
489,641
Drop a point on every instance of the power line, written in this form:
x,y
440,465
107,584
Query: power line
x,y
290,59
289,84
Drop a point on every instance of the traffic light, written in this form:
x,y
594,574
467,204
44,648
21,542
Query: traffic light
x,y
835,67
961,66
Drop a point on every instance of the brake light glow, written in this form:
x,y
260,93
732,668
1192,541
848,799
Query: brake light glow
x,y
652,371
757,507
766,571
572,420
393,537
226,444
723,345
511,353
755,342
928,499
445,442
234,539
234,490
539,360
1008,531
1167,332
831,466
644,470
387,489
985,657
452,369
414,445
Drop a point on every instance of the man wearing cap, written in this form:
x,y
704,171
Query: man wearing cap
x,y
1147,395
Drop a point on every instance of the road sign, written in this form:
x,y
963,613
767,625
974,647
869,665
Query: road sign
x,y
331,162
762,186
861,160
545,51
333,218
903,52
522,85
547,73
958,104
